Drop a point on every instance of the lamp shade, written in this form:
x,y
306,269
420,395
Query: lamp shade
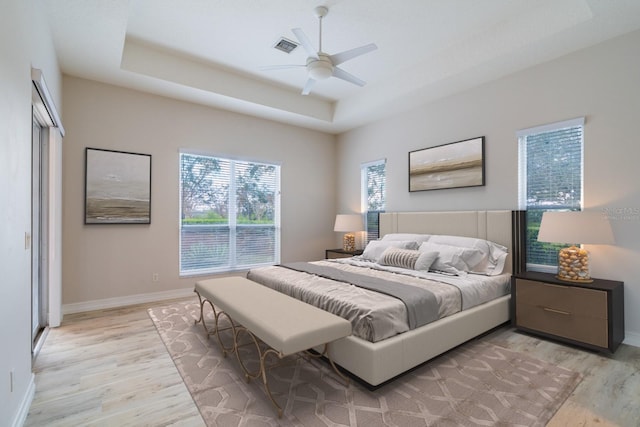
x,y
348,223
591,228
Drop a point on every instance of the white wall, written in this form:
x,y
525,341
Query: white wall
x,y
24,42
601,83
106,262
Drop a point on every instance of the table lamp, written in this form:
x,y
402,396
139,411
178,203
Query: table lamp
x,y
349,224
575,227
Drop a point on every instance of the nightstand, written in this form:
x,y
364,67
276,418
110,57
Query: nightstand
x,y
590,315
340,253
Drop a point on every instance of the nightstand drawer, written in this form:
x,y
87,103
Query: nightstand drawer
x,y
565,324
587,314
334,255
341,253
576,301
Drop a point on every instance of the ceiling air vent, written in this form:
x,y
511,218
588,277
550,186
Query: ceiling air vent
x,y
285,45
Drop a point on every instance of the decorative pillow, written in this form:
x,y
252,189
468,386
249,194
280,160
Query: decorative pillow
x,y
425,260
420,238
452,259
493,255
403,258
375,248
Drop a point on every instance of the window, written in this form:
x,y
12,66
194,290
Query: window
x,y
230,214
373,196
550,178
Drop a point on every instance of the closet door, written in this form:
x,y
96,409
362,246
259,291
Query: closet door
x,y
39,185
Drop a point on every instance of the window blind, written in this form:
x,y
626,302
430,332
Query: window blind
x,y
229,214
551,178
374,183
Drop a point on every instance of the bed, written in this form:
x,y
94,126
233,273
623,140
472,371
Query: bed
x,y
377,357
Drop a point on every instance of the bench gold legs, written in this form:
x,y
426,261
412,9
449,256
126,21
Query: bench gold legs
x,y
237,331
325,353
264,367
216,328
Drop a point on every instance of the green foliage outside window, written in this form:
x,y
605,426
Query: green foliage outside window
x,y
228,214
374,182
552,181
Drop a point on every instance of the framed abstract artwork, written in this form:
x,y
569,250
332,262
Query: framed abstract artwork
x,y
453,165
117,187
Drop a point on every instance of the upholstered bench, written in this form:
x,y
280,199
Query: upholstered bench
x,y
283,323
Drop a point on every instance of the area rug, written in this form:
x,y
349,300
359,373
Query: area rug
x,y
479,383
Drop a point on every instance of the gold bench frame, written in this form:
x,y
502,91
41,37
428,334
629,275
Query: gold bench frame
x,y
237,330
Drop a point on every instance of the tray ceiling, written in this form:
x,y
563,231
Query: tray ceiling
x,y
211,51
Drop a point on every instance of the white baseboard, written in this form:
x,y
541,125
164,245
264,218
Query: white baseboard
x,y
632,338
102,304
23,411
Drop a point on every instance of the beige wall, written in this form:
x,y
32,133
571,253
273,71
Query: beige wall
x,y
601,83
117,261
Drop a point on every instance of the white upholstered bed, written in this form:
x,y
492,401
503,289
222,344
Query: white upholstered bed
x,y
380,361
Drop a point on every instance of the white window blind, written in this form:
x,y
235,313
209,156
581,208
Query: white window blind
x,y
550,178
373,187
230,214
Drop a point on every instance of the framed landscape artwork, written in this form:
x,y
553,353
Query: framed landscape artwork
x,y
453,165
117,187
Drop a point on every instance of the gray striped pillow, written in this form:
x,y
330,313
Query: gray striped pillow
x,y
403,258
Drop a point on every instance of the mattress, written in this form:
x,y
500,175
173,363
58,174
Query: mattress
x,y
375,316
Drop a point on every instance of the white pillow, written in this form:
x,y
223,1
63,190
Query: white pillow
x,y
425,260
375,248
452,259
493,254
407,237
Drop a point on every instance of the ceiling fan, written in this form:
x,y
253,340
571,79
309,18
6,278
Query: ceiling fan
x,y
320,65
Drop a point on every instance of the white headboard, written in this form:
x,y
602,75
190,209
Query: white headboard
x,y
489,225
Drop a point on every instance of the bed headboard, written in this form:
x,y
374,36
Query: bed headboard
x,y
495,226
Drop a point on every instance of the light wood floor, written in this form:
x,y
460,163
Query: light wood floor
x,y
110,368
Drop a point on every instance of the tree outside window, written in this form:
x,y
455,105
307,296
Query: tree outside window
x,y
551,161
229,214
373,196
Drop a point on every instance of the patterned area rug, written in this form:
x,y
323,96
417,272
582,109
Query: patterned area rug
x,y
478,383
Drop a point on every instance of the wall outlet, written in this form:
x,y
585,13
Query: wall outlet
x,y
155,277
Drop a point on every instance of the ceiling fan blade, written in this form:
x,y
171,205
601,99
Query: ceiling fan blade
x,y
307,86
342,74
280,67
341,57
305,42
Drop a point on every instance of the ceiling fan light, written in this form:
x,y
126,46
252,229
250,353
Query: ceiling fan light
x,y
320,70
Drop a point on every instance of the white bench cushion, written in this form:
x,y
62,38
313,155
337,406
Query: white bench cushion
x,y
284,323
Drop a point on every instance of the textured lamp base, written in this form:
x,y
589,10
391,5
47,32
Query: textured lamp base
x,y
349,242
573,265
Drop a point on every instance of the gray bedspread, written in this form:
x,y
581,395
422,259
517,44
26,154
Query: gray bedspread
x,y
374,316
421,303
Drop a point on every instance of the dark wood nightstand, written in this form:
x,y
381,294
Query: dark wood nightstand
x,y
590,315
340,253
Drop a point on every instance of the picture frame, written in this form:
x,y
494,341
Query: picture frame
x,y
453,165
117,187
